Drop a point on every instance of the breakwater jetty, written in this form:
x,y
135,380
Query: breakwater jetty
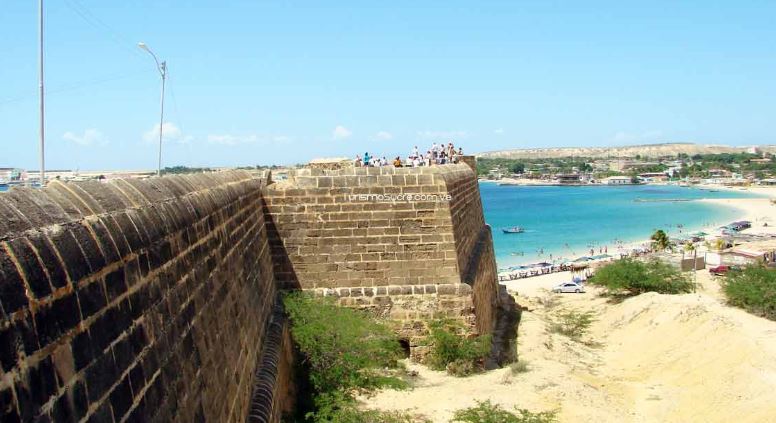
x,y
158,299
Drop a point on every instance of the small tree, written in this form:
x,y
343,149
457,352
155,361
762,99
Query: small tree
x,y
347,352
573,324
660,240
517,168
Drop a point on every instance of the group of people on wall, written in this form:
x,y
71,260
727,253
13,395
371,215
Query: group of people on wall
x,y
438,154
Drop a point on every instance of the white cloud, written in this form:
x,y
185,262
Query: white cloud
x,y
170,132
340,133
442,135
384,135
90,136
231,140
498,131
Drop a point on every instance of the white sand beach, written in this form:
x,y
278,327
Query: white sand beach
x,y
759,211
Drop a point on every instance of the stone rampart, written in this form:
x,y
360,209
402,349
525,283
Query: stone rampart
x,y
396,237
137,301
157,300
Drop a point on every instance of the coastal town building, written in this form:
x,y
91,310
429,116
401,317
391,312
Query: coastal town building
x,y
763,160
568,179
753,252
653,177
617,180
720,173
624,165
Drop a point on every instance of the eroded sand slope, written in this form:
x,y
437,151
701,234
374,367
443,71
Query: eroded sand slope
x,y
651,358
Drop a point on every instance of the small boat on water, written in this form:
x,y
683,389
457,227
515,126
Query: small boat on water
x,y
513,230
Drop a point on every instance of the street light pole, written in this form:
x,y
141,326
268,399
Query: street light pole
x,y
162,67
41,129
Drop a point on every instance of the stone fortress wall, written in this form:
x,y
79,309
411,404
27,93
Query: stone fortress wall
x,y
409,244
135,300
157,300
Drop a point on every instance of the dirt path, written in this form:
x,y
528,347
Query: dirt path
x,y
654,357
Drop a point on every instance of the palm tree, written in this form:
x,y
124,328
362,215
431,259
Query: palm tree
x,y
660,240
688,248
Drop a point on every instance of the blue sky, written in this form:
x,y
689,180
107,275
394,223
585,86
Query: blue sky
x,y
256,82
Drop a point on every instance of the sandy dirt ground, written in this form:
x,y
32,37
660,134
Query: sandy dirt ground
x,y
651,358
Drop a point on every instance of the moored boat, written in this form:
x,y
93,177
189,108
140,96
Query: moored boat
x,y
513,230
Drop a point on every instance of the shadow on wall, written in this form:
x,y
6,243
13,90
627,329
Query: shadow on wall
x,y
283,268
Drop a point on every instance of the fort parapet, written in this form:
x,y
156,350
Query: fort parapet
x,y
157,300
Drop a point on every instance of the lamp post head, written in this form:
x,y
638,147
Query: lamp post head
x,y
142,45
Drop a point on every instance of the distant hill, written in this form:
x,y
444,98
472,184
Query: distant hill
x,y
646,150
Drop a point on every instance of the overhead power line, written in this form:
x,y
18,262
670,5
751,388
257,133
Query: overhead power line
x,y
93,20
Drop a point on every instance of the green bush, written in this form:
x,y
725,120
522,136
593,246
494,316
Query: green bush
x,y
486,412
753,289
346,352
457,354
571,323
634,277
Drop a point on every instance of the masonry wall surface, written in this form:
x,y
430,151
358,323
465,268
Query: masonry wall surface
x,y
136,300
372,231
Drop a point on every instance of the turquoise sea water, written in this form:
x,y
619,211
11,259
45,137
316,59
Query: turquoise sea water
x,y
569,221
